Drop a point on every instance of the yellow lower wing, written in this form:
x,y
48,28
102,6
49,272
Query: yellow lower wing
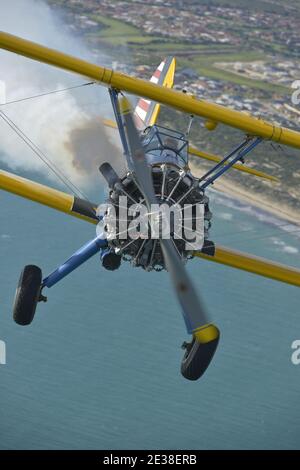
x,y
254,264
237,166
85,210
47,196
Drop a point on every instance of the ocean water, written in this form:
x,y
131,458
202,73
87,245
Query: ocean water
x,y
100,365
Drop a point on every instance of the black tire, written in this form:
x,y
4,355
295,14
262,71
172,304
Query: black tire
x,y
27,295
197,358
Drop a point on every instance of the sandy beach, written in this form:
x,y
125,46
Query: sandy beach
x,y
224,185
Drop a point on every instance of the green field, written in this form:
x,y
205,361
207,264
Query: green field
x,y
217,73
205,66
115,33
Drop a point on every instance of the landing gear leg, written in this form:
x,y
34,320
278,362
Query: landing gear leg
x,y
29,290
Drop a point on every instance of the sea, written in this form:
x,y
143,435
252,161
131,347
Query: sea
x,y
99,368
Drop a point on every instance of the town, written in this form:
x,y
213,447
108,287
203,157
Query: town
x,y
246,60
211,29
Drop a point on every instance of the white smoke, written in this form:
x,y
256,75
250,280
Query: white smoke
x,y
66,126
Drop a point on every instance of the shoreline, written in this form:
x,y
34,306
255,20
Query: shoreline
x,y
257,200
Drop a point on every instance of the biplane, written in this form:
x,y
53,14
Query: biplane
x,y
157,172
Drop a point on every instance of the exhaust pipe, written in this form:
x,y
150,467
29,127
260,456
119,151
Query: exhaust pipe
x,y
109,174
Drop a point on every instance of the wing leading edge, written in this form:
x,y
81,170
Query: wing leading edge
x,y
47,196
151,91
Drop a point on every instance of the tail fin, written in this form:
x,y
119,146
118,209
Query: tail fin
x,y
146,111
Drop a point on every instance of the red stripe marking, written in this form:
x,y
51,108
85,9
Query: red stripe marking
x,y
142,104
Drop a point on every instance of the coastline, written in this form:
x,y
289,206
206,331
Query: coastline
x,y
256,200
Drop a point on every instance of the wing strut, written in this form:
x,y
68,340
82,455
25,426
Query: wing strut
x,y
229,160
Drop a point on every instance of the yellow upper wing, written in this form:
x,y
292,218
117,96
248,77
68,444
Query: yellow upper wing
x,y
170,97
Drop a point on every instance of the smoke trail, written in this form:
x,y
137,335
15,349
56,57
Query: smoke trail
x,y
66,126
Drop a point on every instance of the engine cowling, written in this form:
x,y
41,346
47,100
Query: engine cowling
x,y
177,190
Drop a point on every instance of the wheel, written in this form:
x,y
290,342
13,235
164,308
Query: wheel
x,y
197,358
27,295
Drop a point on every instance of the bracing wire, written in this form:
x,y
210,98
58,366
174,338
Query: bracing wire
x,y
47,93
58,173
41,155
